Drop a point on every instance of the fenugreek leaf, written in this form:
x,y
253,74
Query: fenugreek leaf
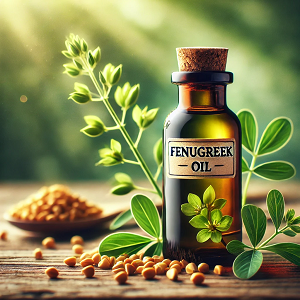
x,y
154,249
188,209
275,170
289,233
276,135
247,264
216,215
123,178
219,203
295,221
275,204
209,195
118,243
121,219
146,215
216,236
194,200
249,129
289,251
199,221
122,189
203,235
255,222
289,214
245,166
225,223
236,247
295,228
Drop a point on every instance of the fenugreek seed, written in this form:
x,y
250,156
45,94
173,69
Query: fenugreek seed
x,y
162,265
174,262
148,273
121,277
129,269
203,268
51,272
118,270
158,259
184,263
49,243
219,270
84,256
147,259
78,249
172,274
139,269
96,258
197,278
167,261
3,235
134,256
177,267
121,258
104,264
77,240
87,262
149,264
159,270
88,271
137,262
70,261
112,261
105,256
119,264
38,253
191,268
128,260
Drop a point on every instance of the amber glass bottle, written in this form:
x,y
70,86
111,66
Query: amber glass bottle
x,y
202,147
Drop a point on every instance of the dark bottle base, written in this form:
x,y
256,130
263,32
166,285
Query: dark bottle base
x,y
210,256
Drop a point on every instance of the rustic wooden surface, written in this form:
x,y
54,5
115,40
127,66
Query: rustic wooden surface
x,y
22,276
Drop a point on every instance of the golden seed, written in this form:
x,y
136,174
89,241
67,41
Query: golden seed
x,y
148,273
137,262
177,267
78,249
129,269
121,277
184,263
3,235
104,264
174,262
119,264
134,256
105,256
197,278
128,260
191,268
70,261
159,270
49,243
76,240
121,258
219,270
167,261
118,270
96,258
51,272
172,274
112,261
203,268
149,264
38,253
84,256
147,259
87,262
139,269
88,271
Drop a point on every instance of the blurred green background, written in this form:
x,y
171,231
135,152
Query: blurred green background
x,y
40,138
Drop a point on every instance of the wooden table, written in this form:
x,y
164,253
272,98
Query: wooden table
x,y
22,276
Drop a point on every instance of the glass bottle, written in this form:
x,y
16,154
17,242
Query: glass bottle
x,y
202,147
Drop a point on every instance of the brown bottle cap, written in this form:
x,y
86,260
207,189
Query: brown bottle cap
x,y
195,59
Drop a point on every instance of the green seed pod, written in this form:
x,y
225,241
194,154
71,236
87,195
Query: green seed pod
x,y
122,189
73,50
77,64
157,152
66,54
132,96
71,70
115,75
102,78
94,121
97,54
108,161
119,96
84,45
82,88
149,117
92,131
91,59
136,115
80,97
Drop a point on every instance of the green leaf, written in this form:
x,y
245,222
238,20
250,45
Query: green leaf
x,y
203,235
204,212
199,221
154,249
118,243
295,228
146,215
219,203
97,54
136,115
123,178
289,214
236,247
81,88
295,221
289,233
245,166
225,223
247,264
249,129
80,98
188,209
216,236
116,75
289,251
149,117
157,152
209,195
276,135
108,161
255,222
122,189
92,131
275,204
132,96
194,200
121,219
216,216
115,146
93,121
275,170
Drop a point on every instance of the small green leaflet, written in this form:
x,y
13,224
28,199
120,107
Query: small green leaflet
x,y
154,249
247,264
121,219
236,247
275,204
146,215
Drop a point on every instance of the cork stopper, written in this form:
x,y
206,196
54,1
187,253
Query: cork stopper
x,y
201,59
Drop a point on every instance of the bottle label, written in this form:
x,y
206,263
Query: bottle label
x,y
199,158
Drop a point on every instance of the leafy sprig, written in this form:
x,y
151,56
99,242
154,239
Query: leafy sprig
x,y
84,62
250,258
147,218
275,136
207,215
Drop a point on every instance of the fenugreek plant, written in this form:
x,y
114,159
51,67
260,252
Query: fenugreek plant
x,y
84,62
276,135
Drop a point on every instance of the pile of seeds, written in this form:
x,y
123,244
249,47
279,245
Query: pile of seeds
x,y
54,203
125,265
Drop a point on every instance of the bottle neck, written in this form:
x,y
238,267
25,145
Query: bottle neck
x,y
204,97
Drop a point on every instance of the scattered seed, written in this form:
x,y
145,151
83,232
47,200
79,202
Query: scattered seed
x,y
38,253
219,270
197,278
129,269
104,264
87,262
167,261
148,273
139,269
121,277
3,235
77,240
96,258
203,268
78,249
51,272
172,274
149,264
84,256
49,243
177,267
119,264
118,270
70,261
174,262
88,271
191,268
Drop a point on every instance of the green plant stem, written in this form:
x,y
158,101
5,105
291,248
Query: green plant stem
x,y
138,138
123,116
131,161
244,196
144,189
157,172
124,132
272,237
